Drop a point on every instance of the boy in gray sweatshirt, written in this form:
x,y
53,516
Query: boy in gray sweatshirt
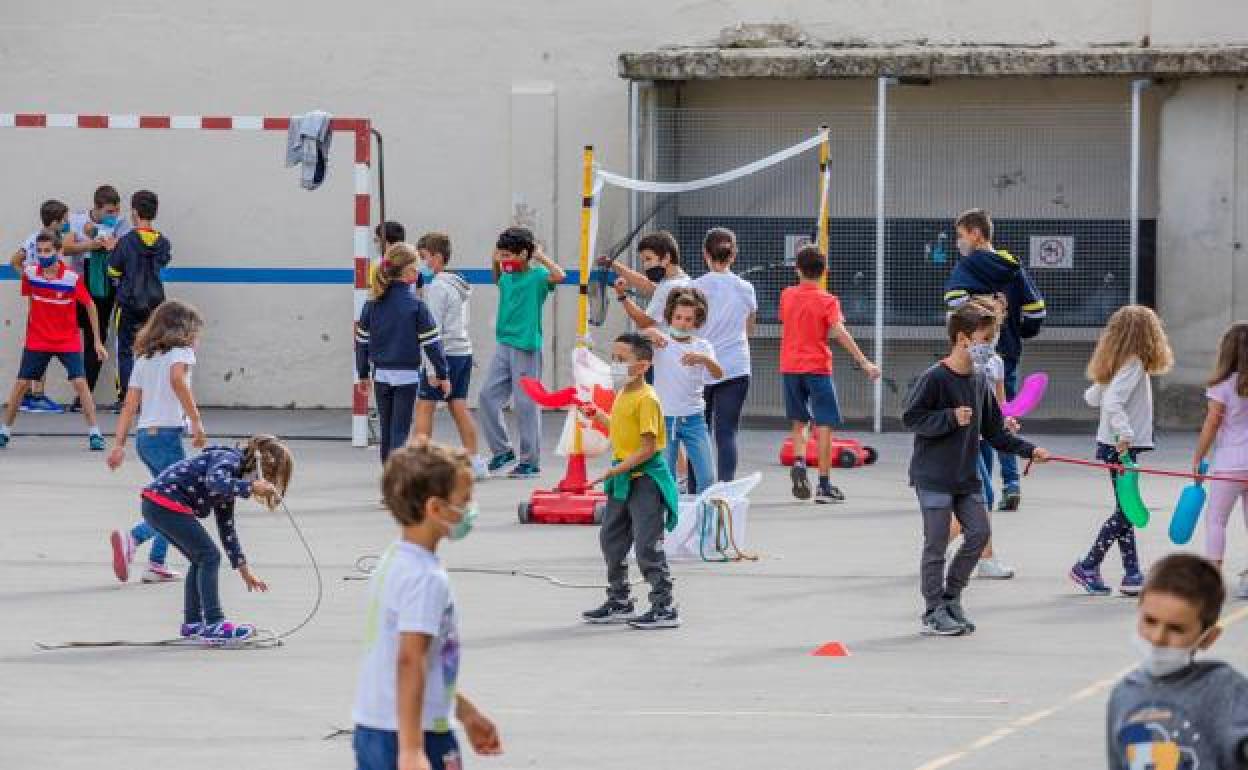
x,y
1174,712
950,407
447,294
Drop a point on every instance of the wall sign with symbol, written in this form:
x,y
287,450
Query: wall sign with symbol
x,y
1053,252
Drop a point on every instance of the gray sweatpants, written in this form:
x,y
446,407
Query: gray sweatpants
x,y
502,382
636,523
938,509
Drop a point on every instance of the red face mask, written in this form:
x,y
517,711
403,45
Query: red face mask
x,y
511,265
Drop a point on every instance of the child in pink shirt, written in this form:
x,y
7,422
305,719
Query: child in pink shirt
x,y
1226,432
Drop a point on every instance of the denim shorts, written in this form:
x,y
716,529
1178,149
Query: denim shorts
x,y
379,749
459,372
810,397
35,364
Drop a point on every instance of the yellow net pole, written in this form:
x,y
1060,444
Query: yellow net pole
x,y
587,207
824,202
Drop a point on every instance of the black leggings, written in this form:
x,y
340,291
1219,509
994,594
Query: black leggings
x,y
724,401
1116,528
394,412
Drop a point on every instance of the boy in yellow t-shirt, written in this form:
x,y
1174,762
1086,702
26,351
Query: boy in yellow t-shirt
x,y
642,498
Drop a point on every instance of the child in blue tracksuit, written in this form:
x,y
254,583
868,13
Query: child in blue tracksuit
x,y
986,270
207,485
395,327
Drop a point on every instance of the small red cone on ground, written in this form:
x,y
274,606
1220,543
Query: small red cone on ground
x,y
831,650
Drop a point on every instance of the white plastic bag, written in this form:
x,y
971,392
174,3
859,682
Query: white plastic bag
x,y
589,370
693,537
593,443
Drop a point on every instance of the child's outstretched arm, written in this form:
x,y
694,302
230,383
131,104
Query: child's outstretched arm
x,y
481,731
93,320
630,276
634,311
18,260
410,697
846,341
1214,415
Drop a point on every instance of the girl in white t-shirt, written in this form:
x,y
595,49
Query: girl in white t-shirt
x,y
160,392
731,307
682,365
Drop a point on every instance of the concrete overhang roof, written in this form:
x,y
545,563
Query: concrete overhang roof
x,y
923,61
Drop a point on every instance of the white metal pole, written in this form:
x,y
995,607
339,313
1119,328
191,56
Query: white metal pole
x,y
881,145
1137,89
634,149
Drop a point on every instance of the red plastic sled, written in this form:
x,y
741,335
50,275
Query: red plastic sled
x,y
846,452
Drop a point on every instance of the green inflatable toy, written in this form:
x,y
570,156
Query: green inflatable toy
x,y
1127,488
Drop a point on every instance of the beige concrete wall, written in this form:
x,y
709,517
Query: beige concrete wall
x,y
438,78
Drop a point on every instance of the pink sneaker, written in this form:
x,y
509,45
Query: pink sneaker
x,y
159,573
123,552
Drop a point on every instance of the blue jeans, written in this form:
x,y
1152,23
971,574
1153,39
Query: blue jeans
x,y
394,412
1009,462
692,433
158,449
379,749
723,415
984,464
202,600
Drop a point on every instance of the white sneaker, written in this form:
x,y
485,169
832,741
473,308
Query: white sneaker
x,y
480,469
159,573
1241,591
951,550
993,569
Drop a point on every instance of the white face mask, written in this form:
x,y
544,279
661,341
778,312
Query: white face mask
x,y
620,374
981,354
1163,661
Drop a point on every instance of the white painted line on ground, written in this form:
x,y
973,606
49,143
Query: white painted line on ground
x,y
756,714
1037,716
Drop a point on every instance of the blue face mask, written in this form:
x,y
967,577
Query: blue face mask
x,y
109,220
46,262
426,275
64,227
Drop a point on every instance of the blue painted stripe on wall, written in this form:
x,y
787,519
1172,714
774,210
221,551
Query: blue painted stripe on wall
x,y
282,275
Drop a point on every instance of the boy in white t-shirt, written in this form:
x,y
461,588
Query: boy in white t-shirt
x,y
160,393
682,365
659,254
407,685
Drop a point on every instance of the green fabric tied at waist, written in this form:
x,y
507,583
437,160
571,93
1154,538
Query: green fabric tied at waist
x,y
617,487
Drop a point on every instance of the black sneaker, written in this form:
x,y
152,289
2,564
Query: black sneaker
x,y
501,460
801,484
938,622
1011,499
657,617
827,493
611,612
954,608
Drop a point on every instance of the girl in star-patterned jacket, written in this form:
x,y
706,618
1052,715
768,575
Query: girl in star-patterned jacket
x,y
207,485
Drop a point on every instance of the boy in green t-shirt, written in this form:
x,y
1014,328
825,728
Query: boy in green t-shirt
x,y
522,290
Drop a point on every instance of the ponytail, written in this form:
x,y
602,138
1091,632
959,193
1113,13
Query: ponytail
x,y
388,269
720,245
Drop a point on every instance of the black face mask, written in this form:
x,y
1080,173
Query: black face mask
x,y
656,274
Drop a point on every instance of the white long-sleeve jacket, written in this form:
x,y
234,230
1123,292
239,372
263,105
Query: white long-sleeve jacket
x,y
1126,405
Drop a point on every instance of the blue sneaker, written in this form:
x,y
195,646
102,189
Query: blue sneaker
x,y
29,404
1089,580
225,631
96,442
48,406
524,471
1131,585
190,630
500,460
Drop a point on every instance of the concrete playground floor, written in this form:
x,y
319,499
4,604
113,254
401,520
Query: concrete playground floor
x,y
736,687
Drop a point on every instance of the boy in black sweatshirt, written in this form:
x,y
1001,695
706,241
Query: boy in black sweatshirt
x,y
134,266
951,406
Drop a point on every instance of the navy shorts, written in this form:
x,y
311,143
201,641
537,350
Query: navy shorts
x,y
35,364
459,371
379,749
811,397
